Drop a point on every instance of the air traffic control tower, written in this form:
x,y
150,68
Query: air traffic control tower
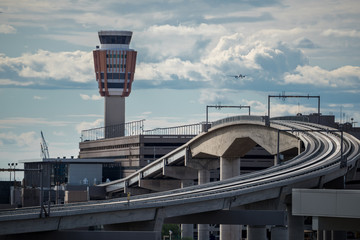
x,y
114,68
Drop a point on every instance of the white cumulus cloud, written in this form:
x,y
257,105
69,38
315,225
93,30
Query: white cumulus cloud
x,y
88,97
75,66
343,77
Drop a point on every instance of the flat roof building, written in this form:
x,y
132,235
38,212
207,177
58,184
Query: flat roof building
x,y
71,171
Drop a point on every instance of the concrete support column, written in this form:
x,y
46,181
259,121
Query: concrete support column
x,y
203,229
203,176
256,232
275,160
230,232
279,233
187,230
295,225
229,167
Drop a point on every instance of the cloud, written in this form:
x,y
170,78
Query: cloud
x,y
341,33
7,29
232,54
8,82
24,121
89,125
343,77
45,67
305,43
336,105
214,96
92,97
160,42
27,139
256,106
278,109
39,98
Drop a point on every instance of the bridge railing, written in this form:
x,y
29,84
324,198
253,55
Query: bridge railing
x,y
190,129
137,128
119,130
293,118
239,118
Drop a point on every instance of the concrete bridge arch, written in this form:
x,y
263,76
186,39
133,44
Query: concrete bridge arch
x,y
235,140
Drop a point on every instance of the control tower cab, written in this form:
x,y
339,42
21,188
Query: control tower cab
x,y
114,66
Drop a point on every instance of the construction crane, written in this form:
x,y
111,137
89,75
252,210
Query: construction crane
x,y
44,148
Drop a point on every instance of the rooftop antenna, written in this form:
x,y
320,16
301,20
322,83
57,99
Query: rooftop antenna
x,y
283,96
340,120
44,147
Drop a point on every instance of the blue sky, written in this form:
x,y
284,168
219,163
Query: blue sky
x,y
186,50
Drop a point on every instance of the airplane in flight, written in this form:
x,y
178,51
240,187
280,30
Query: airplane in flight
x,y
237,76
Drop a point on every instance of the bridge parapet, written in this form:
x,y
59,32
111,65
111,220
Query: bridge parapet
x,y
239,118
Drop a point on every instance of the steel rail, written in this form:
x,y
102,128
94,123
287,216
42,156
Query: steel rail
x,y
255,179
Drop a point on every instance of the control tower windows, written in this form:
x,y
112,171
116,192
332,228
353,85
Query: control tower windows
x,y
109,39
115,75
115,66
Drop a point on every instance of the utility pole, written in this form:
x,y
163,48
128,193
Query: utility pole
x,y
283,96
219,107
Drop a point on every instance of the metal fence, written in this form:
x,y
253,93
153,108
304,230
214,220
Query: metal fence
x,y
137,128
190,129
126,129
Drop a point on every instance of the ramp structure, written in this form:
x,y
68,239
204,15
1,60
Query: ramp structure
x,y
317,162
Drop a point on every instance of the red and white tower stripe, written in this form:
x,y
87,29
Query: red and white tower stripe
x,y
114,63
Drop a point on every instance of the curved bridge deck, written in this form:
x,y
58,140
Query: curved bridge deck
x,y
319,163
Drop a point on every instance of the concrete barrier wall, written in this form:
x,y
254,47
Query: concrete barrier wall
x,y
76,196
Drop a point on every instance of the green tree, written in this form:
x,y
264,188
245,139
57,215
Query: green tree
x,y
174,228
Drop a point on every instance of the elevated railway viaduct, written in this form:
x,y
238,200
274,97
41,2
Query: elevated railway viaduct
x,y
322,157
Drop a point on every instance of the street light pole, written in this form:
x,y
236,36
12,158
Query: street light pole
x,y
14,164
12,167
9,171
